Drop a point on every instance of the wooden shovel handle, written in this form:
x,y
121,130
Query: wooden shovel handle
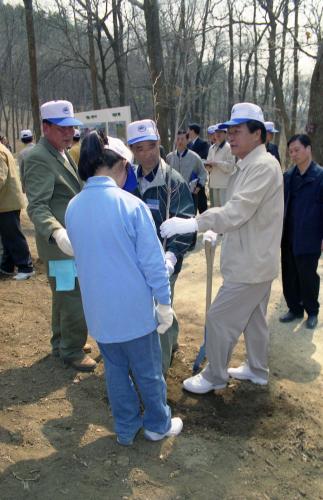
x,y
209,254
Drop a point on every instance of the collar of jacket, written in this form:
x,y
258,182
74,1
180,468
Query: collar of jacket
x,y
309,174
218,146
149,177
100,180
69,164
252,156
181,155
160,177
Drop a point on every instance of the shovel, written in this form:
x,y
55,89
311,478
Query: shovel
x,y
209,255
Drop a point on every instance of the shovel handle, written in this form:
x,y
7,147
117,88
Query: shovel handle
x,y
209,254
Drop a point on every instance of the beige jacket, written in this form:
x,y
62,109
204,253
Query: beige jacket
x,y
225,161
75,152
11,197
252,219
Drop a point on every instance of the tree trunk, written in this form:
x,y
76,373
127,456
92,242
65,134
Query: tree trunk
x,y
157,74
272,70
32,66
118,50
315,115
231,65
92,61
296,76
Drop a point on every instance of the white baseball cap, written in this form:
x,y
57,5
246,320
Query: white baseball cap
x,y
215,128
26,134
270,127
77,134
117,146
142,130
244,112
59,113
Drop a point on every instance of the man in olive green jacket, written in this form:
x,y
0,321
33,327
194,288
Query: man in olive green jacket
x,y
51,181
15,247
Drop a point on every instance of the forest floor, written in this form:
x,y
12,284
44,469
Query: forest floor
x,y
245,442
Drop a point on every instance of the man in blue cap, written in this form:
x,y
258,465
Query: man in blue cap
x,y
51,180
251,221
270,146
220,163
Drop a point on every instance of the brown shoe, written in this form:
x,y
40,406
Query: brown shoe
x,y
85,364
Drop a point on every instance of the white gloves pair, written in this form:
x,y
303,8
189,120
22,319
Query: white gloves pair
x,y
165,317
170,261
178,225
63,241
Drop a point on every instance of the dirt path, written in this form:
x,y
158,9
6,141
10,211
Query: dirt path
x,y
246,442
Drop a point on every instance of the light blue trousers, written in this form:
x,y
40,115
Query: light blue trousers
x,y
142,357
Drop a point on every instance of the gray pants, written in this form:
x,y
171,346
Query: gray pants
x,y
237,308
168,340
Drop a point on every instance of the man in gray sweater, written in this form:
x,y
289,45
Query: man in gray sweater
x,y
188,164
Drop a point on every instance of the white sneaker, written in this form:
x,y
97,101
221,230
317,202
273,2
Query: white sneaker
x,y
23,276
175,429
199,385
243,372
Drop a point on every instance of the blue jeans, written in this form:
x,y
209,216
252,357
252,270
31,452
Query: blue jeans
x,y
142,357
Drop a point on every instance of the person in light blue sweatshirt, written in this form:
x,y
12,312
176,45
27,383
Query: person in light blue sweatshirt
x,y
122,274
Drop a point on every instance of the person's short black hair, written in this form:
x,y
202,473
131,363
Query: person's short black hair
x,y
302,138
26,140
93,156
254,125
196,127
76,139
181,132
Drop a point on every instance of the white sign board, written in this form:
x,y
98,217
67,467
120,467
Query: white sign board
x,y
111,121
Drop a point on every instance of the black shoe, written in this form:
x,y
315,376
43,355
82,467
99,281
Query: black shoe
x,y
290,316
311,322
6,274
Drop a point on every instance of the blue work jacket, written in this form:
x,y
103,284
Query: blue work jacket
x,y
119,259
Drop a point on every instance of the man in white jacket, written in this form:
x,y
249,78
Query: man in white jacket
x,y
251,221
220,163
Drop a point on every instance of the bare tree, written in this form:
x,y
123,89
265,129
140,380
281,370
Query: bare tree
x,y
156,61
315,116
32,66
92,61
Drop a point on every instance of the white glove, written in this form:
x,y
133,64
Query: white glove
x,y
192,185
63,241
170,261
210,236
178,225
165,317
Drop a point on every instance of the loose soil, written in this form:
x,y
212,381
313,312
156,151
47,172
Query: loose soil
x,y
245,442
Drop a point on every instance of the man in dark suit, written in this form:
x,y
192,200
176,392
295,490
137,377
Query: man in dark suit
x,y
201,148
270,146
302,233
